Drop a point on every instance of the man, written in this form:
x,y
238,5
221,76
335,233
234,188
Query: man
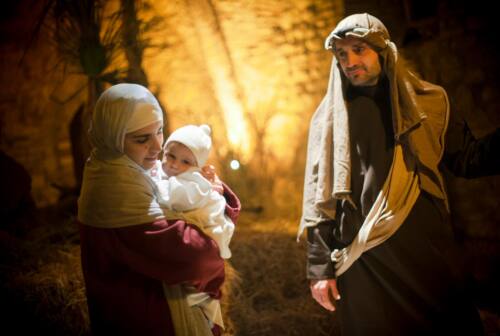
x,y
380,248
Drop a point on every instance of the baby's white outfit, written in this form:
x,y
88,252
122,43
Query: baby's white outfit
x,y
191,192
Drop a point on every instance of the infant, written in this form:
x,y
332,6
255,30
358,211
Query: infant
x,y
184,189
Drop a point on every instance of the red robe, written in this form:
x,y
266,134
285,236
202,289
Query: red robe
x,y
124,269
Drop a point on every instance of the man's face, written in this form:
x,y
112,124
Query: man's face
x,y
359,62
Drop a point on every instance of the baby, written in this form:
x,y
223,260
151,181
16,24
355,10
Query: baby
x,y
183,188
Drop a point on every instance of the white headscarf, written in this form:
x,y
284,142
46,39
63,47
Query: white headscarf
x,y
116,191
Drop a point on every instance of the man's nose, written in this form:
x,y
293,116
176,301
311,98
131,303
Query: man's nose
x,y
351,60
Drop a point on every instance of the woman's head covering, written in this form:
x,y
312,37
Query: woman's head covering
x,y
116,191
121,109
196,138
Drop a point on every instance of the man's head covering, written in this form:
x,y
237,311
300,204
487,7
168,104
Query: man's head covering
x,y
121,109
196,138
364,26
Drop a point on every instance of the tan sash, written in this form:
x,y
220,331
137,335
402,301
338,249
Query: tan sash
x,y
389,211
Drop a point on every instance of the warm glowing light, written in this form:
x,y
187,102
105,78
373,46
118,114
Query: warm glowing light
x,y
233,113
234,164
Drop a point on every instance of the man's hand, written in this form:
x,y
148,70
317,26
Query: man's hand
x,y
208,172
323,291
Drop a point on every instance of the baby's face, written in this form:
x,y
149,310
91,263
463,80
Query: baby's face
x,y
178,159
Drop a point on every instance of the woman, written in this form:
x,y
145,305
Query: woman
x,y
130,247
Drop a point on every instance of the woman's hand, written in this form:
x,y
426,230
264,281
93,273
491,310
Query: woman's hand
x,y
208,172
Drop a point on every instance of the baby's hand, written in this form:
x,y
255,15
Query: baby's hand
x,y
208,172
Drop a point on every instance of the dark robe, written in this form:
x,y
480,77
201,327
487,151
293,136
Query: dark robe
x,y
412,283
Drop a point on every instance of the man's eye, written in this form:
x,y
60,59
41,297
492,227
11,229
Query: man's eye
x,y
170,156
160,131
359,50
187,162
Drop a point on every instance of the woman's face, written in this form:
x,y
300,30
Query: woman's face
x,y
144,145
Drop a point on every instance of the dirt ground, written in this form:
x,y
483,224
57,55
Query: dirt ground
x,y
266,292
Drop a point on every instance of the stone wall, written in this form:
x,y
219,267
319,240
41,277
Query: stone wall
x,y
268,56
34,116
264,57
271,55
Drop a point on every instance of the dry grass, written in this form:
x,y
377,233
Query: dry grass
x,y
265,293
270,295
57,293
42,282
